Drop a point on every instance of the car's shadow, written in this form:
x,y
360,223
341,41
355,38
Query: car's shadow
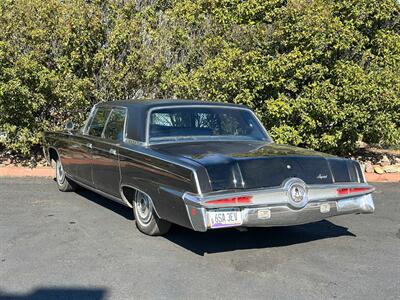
x,y
118,208
215,241
58,293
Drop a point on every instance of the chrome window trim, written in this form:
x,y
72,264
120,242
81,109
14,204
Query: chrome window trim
x,y
115,108
202,140
106,123
151,110
330,170
89,120
96,108
93,113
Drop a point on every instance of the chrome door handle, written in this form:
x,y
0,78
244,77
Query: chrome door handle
x,y
113,151
89,145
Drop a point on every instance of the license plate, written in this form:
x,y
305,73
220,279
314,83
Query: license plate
x,y
220,218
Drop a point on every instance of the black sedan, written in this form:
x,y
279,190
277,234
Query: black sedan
x,y
202,165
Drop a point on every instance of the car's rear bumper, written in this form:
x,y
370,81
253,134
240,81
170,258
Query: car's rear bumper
x,y
272,207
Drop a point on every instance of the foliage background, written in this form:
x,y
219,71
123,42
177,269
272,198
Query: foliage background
x,y
322,74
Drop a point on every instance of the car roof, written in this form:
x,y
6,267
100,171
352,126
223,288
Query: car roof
x,y
138,109
150,103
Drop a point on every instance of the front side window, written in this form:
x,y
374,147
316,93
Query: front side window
x,y
115,126
99,121
204,123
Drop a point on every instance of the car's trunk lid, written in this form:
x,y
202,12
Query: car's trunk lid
x,y
249,165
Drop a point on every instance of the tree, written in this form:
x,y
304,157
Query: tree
x,y
320,74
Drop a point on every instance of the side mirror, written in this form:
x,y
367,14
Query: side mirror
x,y
69,126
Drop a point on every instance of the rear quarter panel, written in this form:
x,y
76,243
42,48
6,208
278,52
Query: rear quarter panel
x,y
164,181
60,142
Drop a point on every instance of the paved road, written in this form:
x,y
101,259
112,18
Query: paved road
x,y
57,245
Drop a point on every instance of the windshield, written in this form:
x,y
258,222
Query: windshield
x,y
196,123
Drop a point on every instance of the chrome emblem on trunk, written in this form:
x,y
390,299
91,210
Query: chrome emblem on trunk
x,y
320,176
297,192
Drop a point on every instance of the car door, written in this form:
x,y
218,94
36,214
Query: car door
x,y
79,159
82,158
85,141
106,172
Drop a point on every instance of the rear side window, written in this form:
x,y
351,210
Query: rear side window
x,y
99,121
115,125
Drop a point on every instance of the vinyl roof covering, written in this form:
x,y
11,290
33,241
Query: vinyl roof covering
x,y
138,109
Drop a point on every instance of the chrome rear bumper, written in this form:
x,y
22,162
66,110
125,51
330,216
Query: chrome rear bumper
x,y
271,207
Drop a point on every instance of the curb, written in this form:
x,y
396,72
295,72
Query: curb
x,y
391,177
26,172
49,172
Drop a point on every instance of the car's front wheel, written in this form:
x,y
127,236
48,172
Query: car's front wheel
x,y
64,184
146,218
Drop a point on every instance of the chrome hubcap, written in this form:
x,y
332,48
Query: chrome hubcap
x,y
143,207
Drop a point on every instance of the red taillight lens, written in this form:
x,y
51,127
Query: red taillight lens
x,y
234,200
346,191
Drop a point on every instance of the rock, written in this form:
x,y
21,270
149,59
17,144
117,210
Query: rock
x,y
379,170
7,162
361,144
369,168
384,161
392,169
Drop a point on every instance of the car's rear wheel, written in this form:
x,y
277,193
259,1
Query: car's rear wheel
x,y
64,184
146,218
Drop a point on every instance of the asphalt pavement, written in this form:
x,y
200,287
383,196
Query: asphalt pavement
x,y
56,245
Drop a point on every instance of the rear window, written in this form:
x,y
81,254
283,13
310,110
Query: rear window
x,y
195,123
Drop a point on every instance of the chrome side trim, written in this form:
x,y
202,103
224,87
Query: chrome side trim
x,y
133,142
104,194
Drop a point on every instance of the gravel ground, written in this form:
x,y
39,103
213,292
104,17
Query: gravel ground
x,y
57,245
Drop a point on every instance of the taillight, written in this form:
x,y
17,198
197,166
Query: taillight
x,y
233,200
346,191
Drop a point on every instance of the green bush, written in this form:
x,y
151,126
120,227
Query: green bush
x,y
320,74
